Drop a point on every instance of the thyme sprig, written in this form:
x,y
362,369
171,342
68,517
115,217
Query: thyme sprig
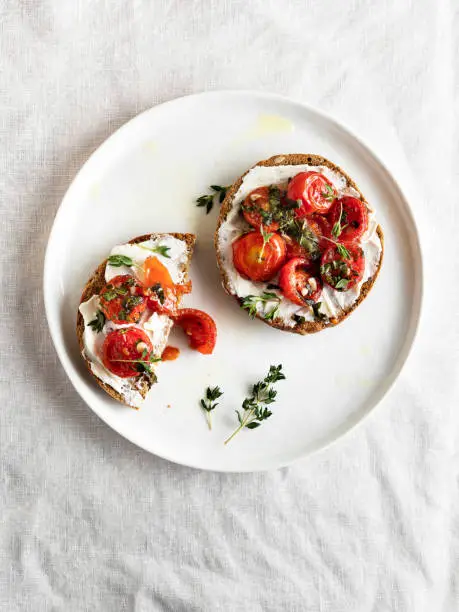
x,y
208,403
255,408
250,303
208,201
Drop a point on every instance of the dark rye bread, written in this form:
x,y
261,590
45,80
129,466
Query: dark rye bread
x,y
94,286
294,159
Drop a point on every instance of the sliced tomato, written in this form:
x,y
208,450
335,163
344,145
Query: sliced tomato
x,y
298,284
125,351
170,353
256,259
255,204
350,217
315,192
341,270
199,327
121,300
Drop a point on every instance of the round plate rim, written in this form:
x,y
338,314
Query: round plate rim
x,y
416,315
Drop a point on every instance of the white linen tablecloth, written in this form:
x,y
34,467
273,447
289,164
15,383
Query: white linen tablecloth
x,y
90,522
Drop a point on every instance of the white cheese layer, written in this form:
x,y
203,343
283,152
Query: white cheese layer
x,y
175,263
333,302
156,326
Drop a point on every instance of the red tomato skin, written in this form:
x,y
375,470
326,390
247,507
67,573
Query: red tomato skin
x,y
356,263
122,344
314,190
246,256
112,308
355,217
258,198
199,327
294,276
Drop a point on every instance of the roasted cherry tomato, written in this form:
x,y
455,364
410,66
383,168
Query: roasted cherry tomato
x,y
256,259
200,327
342,269
297,283
121,300
170,353
125,351
350,218
255,203
315,192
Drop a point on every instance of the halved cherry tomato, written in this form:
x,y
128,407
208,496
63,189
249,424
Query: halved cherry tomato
x,y
256,201
200,327
125,350
121,300
342,272
315,192
170,353
353,220
297,283
257,260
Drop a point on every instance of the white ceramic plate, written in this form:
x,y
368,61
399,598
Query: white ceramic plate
x,y
144,179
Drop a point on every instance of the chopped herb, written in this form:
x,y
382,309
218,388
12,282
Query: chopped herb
x,y
120,260
250,303
320,316
98,323
113,292
338,227
266,238
343,251
142,365
207,201
207,405
161,250
299,320
342,284
274,197
329,193
132,301
158,289
122,315
255,408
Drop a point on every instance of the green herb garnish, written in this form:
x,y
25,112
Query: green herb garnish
x,y
250,303
343,251
266,238
320,316
142,365
299,320
158,289
120,260
207,405
161,250
98,323
255,408
329,193
208,200
338,227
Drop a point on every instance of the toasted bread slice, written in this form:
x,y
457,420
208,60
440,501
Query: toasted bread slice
x,y
94,286
306,327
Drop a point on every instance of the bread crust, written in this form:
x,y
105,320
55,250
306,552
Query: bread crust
x,y
294,159
94,286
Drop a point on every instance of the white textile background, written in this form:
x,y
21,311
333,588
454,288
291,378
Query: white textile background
x,y
90,522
